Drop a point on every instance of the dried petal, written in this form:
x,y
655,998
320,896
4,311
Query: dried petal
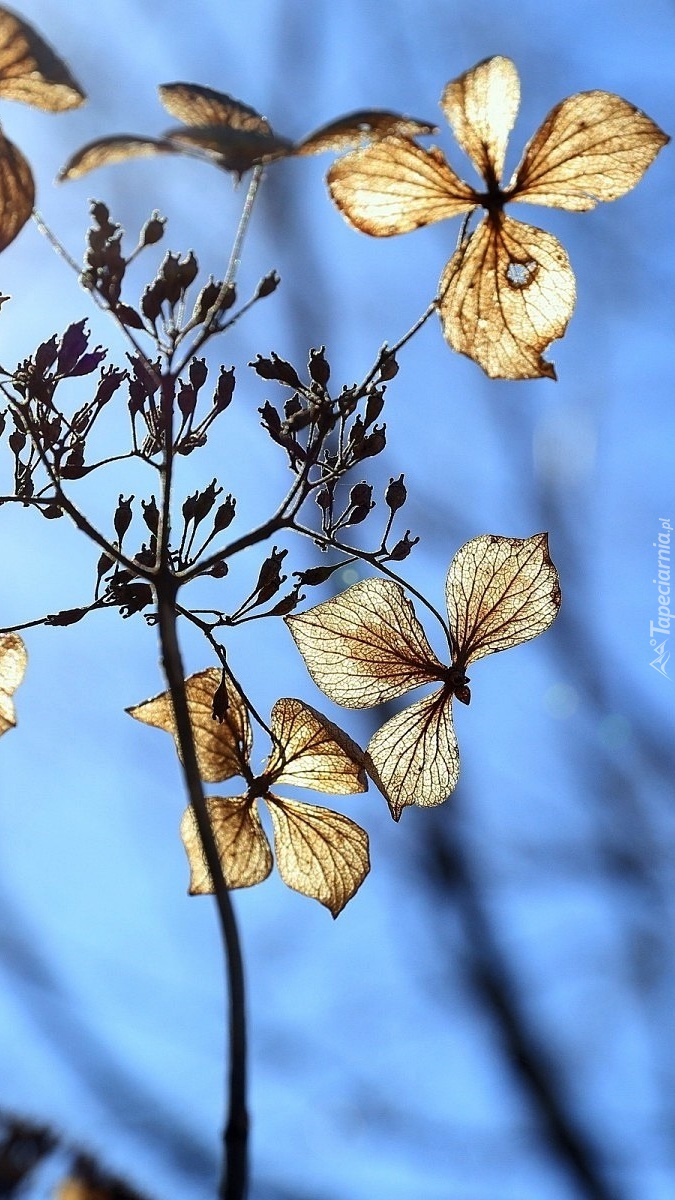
x,y
17,191
30,71
197,105
13,660
365,646
223,748
500,592
505,295
237,150
414,757
593,146
357,127
243,849
394,186
313,752
319,852
481,107
104,152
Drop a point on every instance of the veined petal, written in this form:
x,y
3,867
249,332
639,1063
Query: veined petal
x,y
394,185
481,107
366,645
414,757
593,146
319,852
314,752
243,849
13,658
506,293
356,128
500,592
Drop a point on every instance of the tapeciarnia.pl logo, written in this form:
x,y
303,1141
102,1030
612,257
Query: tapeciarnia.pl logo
x,y
659,630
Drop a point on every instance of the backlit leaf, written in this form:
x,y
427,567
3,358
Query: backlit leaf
x,y
315,753
30,71
365,646
357,127
500,592
13,660
506,293
197,105
223,747
243,849
481,107
17,191
394,186
414,757
104,152
593,146
319,853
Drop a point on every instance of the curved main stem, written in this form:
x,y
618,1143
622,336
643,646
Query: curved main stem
x,y
234,1179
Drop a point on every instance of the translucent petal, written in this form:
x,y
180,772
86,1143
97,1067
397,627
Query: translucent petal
x,y
13,660
104,152
481,107
223,747
243,849
236,149
394,186
197,105
316,753
366,645
319,852
17,191
414,758
505,295
500,592
362,126
593,146
30,71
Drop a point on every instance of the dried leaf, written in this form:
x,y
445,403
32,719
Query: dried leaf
x,y
104,152
414,757
395,186
593,146
500,592
243,849
223,748
30,71
13,658
505,295
319,853
481,107
365,646
17,191
357,127
313,752
197,105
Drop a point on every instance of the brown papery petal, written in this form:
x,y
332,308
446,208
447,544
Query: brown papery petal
x,y
593,146
394,186
107,151
500,592
319,852
197,105
243,849
314,752
223,747
17,191
414,757
481,107
13,658
30,71
505,295
365,646
357,127
237,149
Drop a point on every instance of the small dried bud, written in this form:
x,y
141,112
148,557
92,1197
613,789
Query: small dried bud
x,y
268,285
122,518
402,549
222,396
318,366
151,514
153,230
198,373
396,494
388,367
224,514
220,702
374,405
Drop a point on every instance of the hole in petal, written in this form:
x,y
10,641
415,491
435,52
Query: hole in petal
x,y
521,274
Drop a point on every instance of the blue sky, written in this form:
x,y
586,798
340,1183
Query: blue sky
x,y
376,1070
